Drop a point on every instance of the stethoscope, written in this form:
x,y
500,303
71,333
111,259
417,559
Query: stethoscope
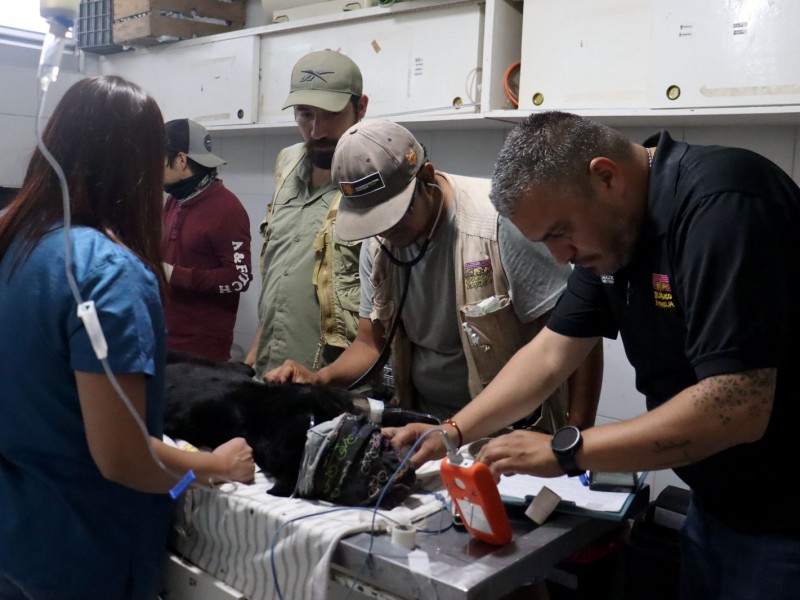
x,y
406,265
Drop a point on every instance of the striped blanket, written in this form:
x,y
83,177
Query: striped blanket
x,y
269,547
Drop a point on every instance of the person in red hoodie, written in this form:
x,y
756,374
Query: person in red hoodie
x,y
206,247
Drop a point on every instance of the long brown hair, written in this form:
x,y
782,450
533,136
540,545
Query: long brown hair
x,y
107,134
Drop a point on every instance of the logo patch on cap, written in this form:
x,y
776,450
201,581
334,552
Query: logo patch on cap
x,y
207,142
411,157
310,75
366,185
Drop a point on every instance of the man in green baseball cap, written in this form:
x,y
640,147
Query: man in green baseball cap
x,y
326,80
308,308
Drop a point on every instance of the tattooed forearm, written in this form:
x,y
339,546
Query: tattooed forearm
x,y
724,395
673,449
670,446
739,403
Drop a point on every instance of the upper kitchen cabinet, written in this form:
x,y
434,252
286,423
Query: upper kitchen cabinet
x,y
418,59
421,60
649,62
725,54
584,54
211,80
471,63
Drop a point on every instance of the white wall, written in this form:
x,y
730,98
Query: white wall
x,y
19,102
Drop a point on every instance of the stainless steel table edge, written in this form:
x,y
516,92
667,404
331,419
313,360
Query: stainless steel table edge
x,y
461,567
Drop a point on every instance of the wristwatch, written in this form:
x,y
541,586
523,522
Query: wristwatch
x,y
565,444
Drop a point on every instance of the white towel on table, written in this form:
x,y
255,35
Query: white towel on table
x,y
229,533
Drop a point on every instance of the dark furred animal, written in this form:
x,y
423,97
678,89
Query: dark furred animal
x,y
208,403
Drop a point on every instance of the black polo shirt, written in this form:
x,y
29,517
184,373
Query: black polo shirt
x,y
713,288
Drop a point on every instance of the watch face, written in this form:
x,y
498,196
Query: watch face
x,y
566,438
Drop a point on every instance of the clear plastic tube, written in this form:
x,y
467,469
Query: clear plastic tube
x,y
50,59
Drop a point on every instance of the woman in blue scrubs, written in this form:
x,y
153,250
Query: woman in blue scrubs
x,y
84,508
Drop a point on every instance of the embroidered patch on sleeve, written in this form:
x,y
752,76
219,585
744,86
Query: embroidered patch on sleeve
x,y
662,291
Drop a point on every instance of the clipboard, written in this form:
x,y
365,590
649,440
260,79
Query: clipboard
x,y
576,498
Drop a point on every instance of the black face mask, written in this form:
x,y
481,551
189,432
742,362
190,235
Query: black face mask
x,y
185,187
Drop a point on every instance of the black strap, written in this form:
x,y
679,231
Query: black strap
x,y
383,356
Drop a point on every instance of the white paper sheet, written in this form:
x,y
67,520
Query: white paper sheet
x,y
570,489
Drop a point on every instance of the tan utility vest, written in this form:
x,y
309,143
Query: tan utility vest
x,y
488,340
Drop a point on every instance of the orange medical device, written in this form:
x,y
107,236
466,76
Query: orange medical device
x,y
473,490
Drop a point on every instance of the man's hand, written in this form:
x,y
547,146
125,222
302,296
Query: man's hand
x,y
292,372
403,438
237,457
521,451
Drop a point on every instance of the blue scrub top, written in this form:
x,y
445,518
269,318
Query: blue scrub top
x,y
63,526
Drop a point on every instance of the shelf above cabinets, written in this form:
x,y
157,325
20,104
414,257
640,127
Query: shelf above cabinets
x,y
683,117
426,122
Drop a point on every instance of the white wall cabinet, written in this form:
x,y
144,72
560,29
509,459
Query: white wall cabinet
x,y
648,62
421,59
442,63
414,62
585,54
725,54
212,81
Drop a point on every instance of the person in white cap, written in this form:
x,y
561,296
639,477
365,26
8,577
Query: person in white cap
x,y
437,241
308,308
206,246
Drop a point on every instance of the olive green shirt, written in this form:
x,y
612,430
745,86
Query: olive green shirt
x,y
289,311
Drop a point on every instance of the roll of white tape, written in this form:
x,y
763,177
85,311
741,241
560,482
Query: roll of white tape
x,y
404,536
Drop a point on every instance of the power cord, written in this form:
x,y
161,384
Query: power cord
x,y
509,84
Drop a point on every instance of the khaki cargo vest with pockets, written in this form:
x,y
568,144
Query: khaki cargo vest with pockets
x,y
488,340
